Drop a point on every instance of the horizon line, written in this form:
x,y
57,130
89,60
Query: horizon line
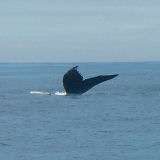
x,y
85,62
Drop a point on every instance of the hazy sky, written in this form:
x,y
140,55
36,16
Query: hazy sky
x,y
79,30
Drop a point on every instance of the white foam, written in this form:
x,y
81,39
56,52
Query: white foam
x,y
60,93
40,92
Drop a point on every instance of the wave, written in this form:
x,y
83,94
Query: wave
x,y
47,93
40,92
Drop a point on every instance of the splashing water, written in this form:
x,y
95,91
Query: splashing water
x,y
60,93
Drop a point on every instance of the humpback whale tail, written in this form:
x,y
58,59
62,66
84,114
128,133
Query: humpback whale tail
x,y
74,84
91,82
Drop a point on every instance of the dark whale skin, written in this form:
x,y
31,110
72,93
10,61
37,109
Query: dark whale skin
x,y
73,82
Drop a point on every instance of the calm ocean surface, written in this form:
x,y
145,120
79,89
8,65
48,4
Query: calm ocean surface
x,y
116,120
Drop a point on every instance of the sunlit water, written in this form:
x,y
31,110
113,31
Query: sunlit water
x,y
116,120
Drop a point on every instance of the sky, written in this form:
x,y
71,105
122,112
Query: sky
x,y
79,30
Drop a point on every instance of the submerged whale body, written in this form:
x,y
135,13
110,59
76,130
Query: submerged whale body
x,y
74,84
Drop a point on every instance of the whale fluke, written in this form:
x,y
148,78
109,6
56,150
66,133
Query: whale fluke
x,y
74,84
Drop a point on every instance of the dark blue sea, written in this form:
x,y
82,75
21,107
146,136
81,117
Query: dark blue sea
x,y
116,120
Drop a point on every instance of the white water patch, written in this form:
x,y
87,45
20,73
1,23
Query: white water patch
x,y
40,92
60,93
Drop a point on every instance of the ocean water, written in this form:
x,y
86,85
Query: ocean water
x,y
116,120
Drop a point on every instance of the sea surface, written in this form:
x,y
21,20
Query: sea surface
x,y
116,120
